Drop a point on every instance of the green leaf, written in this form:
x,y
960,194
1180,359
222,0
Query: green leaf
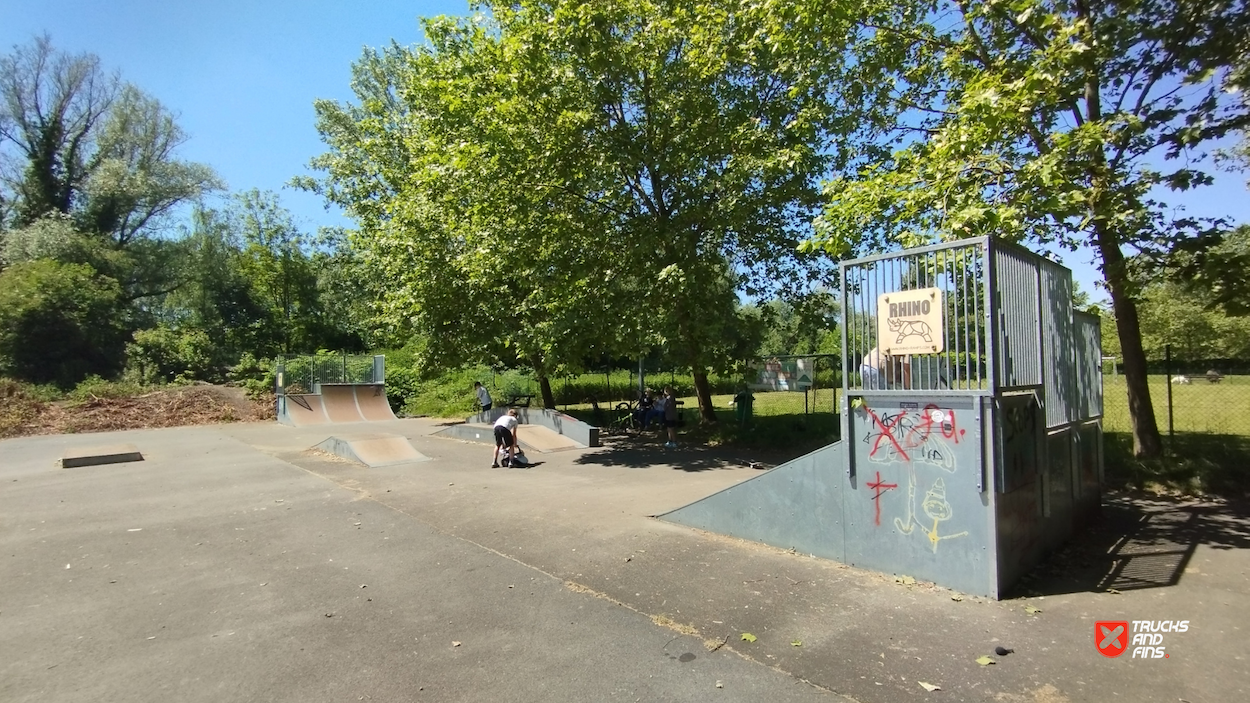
x,y
985,660
748,637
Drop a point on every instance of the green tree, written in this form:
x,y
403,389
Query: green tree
x,y
466,253
1054,121
650,152
77,142
59,323
276,265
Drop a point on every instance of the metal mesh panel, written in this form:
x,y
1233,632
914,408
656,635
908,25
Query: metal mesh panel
x,y
1088,335
1018,349
1058,344
959,270
302,373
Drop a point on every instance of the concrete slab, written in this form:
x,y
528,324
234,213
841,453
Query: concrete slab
x,y
239,576
99,455
372,450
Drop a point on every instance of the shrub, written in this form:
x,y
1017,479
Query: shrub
x,y
164,355
59,323
95,387
255,375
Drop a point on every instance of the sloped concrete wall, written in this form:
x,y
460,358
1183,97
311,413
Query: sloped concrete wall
x,y
907,494
556,421
797,505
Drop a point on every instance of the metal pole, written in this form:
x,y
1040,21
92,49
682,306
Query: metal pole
x,y
1167,368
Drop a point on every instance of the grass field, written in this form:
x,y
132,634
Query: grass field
x,y
1209,452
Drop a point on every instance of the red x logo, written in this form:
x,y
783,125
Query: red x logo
x,y
1111,637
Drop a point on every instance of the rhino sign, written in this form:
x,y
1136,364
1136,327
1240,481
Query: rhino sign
x,y
910,321
910,328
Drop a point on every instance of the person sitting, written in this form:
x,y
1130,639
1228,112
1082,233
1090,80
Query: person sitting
x,y
646,409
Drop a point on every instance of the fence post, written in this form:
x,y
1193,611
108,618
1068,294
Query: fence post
x,y
1167,368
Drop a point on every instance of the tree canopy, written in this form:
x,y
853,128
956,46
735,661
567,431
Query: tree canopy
x,y
1054,121
614,173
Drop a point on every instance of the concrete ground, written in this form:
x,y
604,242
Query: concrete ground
x,y
233,564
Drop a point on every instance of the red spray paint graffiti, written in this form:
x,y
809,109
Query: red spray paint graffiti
x,y
879,488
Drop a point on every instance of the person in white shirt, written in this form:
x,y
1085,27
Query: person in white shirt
x,y
483,396
505,436
881,371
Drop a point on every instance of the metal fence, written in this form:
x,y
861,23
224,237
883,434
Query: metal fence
x,y
957,273
1187,396
303,373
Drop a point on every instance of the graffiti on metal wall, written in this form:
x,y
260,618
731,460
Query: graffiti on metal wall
x,y
908,435
935,508
1021,440
912,437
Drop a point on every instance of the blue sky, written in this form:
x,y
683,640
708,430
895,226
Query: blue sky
x,y
242,76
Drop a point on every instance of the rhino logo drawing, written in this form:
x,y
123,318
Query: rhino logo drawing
x,y
911,328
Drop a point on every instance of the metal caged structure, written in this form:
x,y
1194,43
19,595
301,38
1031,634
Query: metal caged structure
x,y
971,418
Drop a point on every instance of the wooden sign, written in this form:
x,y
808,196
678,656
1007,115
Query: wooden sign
x,y
910,322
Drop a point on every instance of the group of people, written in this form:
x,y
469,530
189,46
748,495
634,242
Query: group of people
x,y
662,409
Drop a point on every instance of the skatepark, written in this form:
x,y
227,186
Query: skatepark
x,y
234,562
343,554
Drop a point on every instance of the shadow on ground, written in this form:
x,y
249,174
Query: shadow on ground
x,y
644,452
1139,542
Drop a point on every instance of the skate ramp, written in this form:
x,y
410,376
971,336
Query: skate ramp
x,y
301,410
372,450
336,403
797,505
584,434
532,437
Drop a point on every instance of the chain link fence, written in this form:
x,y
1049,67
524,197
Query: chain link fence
x,y
1209,397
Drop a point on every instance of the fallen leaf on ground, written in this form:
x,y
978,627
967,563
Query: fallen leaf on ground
x,y
748,637
929,687
984,660
1031,610
455,643
796,643
957,597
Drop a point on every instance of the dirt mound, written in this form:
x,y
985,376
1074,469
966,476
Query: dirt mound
x,y
164,407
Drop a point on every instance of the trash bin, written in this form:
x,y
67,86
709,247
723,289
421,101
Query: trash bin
x,y
743,402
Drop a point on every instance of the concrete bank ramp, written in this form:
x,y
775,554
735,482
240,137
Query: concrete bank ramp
x,y
531,437
540,429
797,505
373,450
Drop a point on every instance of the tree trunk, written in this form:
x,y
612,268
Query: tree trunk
x,y
549,399
1147,444
703,390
